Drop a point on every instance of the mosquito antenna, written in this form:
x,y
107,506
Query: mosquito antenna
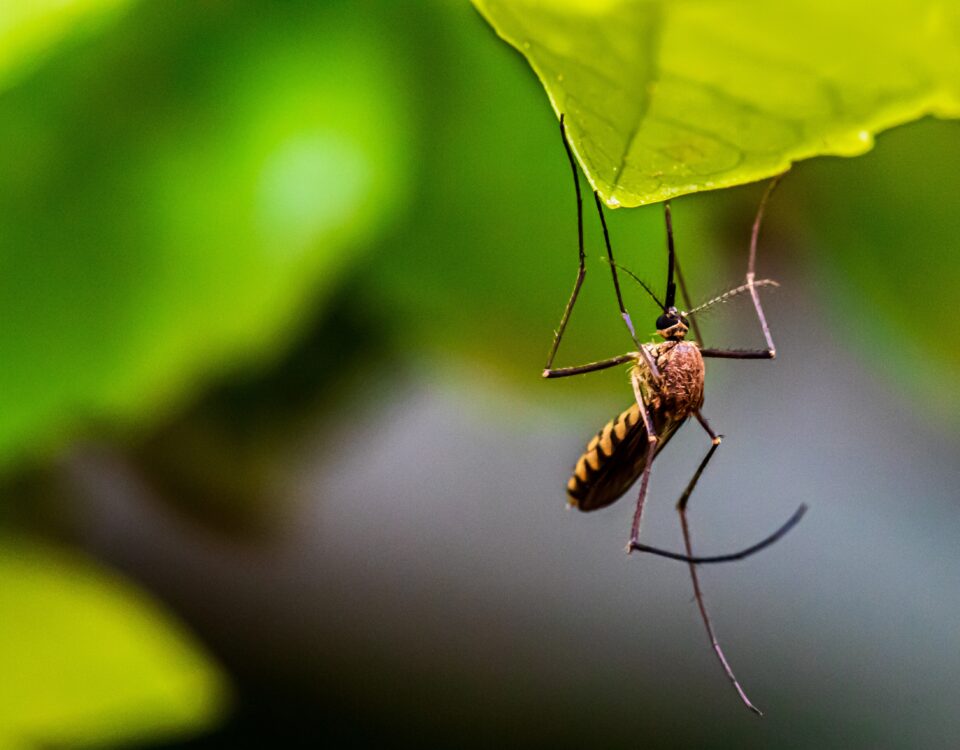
x,y
671,294
640,281
728,295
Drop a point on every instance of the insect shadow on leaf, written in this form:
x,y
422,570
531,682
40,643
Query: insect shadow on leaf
x,y
667,378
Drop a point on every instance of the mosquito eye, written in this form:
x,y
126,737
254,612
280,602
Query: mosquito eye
x,y
665,321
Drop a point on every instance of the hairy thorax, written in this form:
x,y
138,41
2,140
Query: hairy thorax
x,y
680,390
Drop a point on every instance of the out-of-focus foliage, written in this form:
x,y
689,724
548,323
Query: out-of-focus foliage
x,y
88,659
176,188
663,99
29,29
889,224
170,201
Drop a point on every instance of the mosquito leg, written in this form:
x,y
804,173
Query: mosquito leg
x,y
549,371
771,351
651,454
642,350
644,480
739,353
682,506
668,220
751,264
698,595
706,426
613,270
691,485
731,556
698,335
582,270
603,364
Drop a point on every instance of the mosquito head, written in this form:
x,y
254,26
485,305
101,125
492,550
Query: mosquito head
x,y
672,325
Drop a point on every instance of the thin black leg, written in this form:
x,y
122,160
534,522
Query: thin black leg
x,y
739,353
644,354
668,220
648,466
549,371
682,505
603,364
698,594
613,270
582,270
731,556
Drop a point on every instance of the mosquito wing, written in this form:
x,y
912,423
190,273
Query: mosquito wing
x,y
615,458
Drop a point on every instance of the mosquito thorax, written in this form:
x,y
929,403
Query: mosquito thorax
x,y
672,325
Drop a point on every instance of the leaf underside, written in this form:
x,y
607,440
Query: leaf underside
x,y
664,99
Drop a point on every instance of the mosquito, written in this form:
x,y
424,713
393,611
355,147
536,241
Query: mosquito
x,y
667,378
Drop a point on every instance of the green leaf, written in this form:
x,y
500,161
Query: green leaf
x,y
172,201
88,659
667,98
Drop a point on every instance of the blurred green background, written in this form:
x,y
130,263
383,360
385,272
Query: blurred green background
x,y
277,282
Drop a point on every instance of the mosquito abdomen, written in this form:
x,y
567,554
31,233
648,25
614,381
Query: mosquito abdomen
x,y
599,450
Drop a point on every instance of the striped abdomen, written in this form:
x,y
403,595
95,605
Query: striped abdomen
x,y
614,458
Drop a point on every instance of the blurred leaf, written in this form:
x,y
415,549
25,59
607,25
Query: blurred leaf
x,y
226,460
88,659
884,239
29,30
172,200
663,99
